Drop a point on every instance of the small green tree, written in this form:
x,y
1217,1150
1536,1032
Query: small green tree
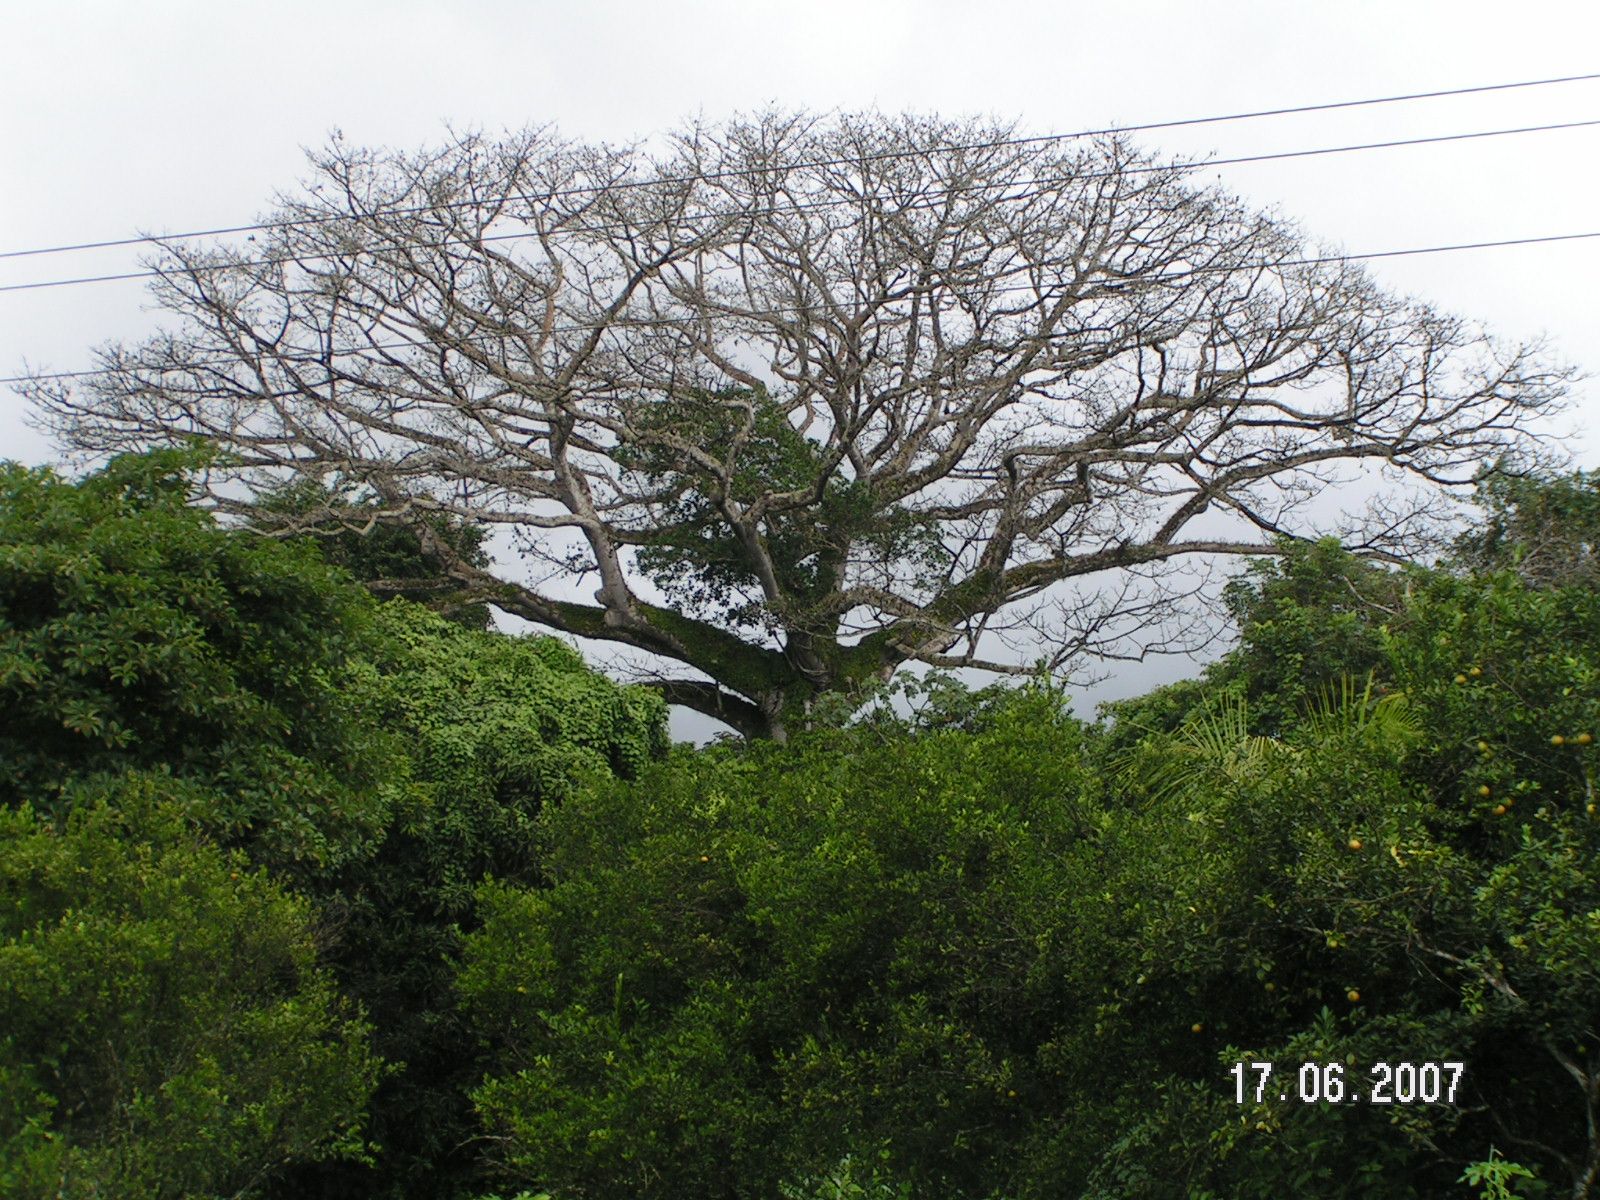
x,y
1544,527
1305,622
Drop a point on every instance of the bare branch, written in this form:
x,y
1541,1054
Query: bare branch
x,y
849,392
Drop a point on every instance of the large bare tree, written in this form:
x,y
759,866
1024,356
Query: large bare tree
x,y
848,392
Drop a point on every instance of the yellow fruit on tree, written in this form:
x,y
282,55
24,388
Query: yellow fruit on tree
x,y
1461,678
1475,672
1558,740
1355,843
1352,995
1196,1027
1485,790
1499,810
1583,739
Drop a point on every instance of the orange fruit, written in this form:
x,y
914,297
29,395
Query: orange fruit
x,y
1355,843
1352,995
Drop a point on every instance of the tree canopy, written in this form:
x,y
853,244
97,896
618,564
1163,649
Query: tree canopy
x,y
803,399
168,1031
137,633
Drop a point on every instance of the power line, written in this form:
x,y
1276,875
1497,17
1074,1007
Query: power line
x,y
149,239
1320,260
1031,189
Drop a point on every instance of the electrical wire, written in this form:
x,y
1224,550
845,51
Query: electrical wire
x,y
147,239
1320,260
1032,189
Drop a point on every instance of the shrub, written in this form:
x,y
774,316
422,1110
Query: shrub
x,y
166,1030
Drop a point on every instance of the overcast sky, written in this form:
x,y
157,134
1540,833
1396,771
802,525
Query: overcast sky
x,y
161,117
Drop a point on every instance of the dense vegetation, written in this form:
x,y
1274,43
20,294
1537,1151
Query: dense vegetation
x,y
245,810
307,894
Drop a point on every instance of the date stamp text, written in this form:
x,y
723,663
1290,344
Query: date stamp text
x,y
1337,1083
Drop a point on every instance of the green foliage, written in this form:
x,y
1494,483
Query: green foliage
x,y
383,759
345,525
1020,956
697,558
134,632
747,966
1214,746
483,713
497,728
1546,528
1428,849
981,951
164,1029
1305,620
934,700
853,1177
1502,1180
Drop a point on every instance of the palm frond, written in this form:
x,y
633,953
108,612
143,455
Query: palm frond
x,y
1213,746
1344,710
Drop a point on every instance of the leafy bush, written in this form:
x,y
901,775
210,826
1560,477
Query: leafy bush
x,y
166,1031
379,758
747,965
135,632
1422,889
987,951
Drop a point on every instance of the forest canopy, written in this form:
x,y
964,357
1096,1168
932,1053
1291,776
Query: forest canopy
x,y
304,894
